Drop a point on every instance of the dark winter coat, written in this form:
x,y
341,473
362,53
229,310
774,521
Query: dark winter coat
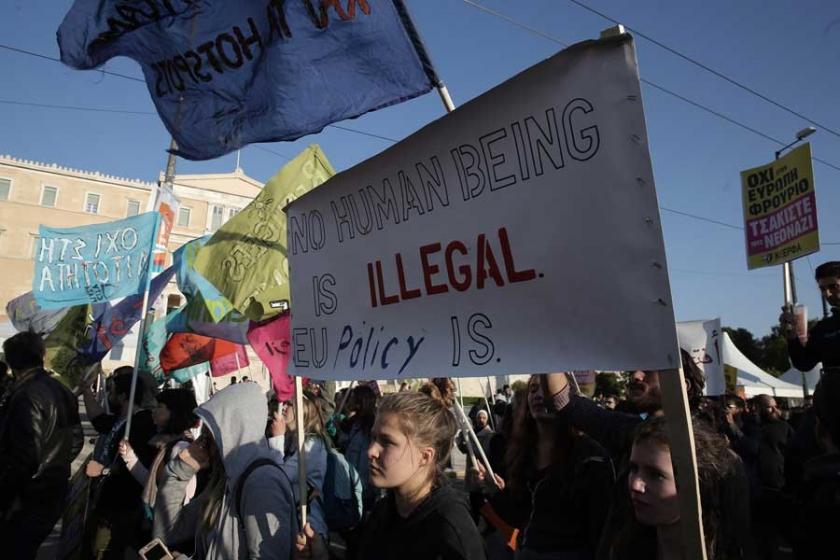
x,y
819,508
40,435
823,345
439,529
775,437
570,503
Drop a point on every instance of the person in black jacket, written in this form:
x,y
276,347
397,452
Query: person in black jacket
x,y
616,431
117,515
558,483
775,436
818,497
651,525
465,444
422,517
774,439
40,435
6,380
823,343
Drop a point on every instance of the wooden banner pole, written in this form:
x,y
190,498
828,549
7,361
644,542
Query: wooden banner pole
x,y
301,437
465,426
148,317
489,411
684,459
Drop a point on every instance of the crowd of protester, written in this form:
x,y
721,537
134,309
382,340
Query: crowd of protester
x,y
550,474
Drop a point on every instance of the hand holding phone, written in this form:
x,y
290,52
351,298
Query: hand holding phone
x,y
155,550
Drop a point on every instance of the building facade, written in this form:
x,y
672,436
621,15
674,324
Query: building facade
x,y
35,193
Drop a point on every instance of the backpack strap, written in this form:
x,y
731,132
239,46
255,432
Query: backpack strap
x,y
240,486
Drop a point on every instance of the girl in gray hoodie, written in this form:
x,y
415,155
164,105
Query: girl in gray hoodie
x,y
232,442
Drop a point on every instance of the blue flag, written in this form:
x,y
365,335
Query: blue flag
x,y
193,318
207,311
224,74
93,264
187,373
154,338
113,323
193,285
26,315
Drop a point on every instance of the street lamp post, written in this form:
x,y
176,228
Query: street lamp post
x,y
787,267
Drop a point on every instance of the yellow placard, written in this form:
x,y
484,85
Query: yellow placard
x,y
731,375
780,210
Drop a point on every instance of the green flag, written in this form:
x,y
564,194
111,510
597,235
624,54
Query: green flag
x,y
62,345
246,258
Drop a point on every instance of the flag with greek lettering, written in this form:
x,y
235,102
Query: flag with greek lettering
x,y
246,259
95,263
225,74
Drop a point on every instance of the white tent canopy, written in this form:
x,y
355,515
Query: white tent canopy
x,y
754,380
812,377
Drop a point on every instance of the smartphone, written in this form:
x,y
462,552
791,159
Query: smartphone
x,y
155,550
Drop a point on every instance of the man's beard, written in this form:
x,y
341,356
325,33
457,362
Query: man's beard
x,y
648,400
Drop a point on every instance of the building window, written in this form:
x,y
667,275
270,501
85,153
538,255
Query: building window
x,y
232,212
49,196
217,218
133,208
183,217
5,187
92,203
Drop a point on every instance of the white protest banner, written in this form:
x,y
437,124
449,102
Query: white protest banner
x,y
701,339
93,263
519,233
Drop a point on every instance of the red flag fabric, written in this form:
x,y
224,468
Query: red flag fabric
x,y
187,349
271,341
230,363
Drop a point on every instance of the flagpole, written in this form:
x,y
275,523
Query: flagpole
x,y
168,178
574,381
465,425
444,96
236,357
301,421
489,410
142,331
248,365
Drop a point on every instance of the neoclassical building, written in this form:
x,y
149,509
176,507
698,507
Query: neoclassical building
x,y
34,193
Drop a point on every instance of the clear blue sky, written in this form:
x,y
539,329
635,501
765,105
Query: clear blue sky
x,y
788,51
